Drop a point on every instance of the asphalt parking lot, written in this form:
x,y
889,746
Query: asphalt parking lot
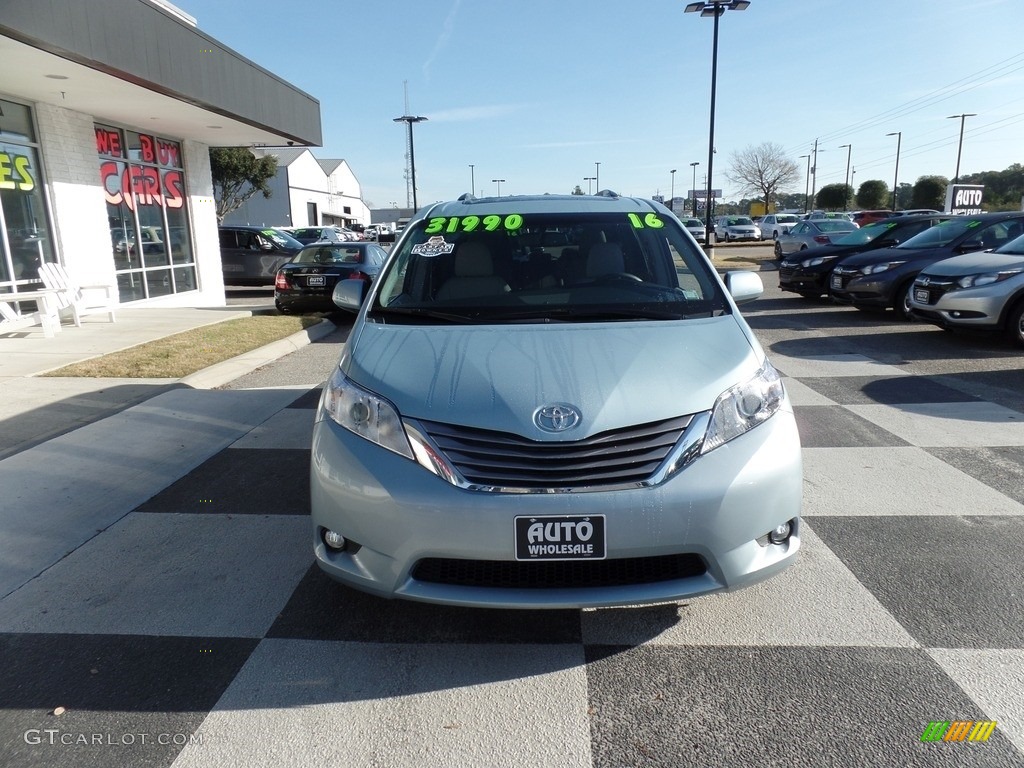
x,y
191,628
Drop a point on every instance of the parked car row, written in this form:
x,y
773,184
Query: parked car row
x,y
953,271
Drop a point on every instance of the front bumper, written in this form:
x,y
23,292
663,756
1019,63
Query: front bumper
x,y
399,514
797,279
965,308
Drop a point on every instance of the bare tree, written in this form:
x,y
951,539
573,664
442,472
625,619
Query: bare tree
x,y
762,170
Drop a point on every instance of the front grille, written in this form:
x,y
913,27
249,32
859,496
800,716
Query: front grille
x,y
786,273
504,460
558,574
936,289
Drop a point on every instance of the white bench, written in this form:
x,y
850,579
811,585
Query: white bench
x,y
46,316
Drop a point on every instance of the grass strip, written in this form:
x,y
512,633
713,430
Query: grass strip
x,y
184,353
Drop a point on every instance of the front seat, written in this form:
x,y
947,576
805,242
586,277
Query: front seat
x,y
473,275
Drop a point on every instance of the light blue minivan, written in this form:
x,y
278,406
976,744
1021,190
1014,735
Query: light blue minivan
x,y
553,402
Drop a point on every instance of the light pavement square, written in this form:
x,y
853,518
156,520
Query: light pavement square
x,y
167,574
832,365
809,604
994,680
300,702
894,481
288,428
801,394
948,424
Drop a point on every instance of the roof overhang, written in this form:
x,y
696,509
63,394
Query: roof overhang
x,y
133,63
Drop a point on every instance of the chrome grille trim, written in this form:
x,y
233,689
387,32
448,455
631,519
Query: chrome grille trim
x,y
500,462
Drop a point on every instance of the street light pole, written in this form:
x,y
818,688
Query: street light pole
x,y
472,180
597,176
589,179
713,8
896,175
672,194
693,189
409,120
807,181
846,184
499,183
960,146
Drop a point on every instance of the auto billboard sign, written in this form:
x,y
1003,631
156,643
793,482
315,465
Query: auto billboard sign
x,y
964,199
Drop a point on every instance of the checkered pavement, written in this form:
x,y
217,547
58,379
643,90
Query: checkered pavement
x,y
178,619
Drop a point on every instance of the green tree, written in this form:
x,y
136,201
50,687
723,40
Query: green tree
x,y
762,169
577,191
833,197
238,175
929,192
873,194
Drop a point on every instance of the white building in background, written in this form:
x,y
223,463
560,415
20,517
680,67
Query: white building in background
x,y
305,192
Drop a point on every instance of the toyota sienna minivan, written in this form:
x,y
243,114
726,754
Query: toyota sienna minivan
x,y
552,402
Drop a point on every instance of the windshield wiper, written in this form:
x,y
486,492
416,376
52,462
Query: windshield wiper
x,y
591,314
422,312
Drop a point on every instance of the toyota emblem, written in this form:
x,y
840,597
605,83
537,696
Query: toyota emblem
x,y
557,418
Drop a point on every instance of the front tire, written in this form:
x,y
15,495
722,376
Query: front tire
x,y
778,250
1015,323
901,301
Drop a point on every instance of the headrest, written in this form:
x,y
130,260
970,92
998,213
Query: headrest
x,y
605,259
473,259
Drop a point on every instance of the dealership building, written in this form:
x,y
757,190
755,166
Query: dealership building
x,y
108,109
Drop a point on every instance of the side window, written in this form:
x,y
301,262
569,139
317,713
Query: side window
x,y
227,238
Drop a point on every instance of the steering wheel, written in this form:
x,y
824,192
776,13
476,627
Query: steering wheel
x,y
612,277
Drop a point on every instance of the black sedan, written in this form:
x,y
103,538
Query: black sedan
x,y
305,283
885,277
807,272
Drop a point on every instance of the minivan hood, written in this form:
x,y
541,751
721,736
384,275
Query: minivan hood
x,y
497,376
973,263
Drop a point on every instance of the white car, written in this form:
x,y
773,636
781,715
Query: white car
x,y
736,228
696,228
775,224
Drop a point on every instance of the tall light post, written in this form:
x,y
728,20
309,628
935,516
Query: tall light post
x,y
499,183
472,180
672,194
589,179
814,170
597,176
960,146
807,181
846,184
714,8
409,120
693,189
896,175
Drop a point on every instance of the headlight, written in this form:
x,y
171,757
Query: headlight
x,y
365,414
817,260
987,278
744,406
874,269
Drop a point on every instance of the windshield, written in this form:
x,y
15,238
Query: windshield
x,y
739,221
786,218
547,267
866,234
281,239
941,234
330,254
1015,247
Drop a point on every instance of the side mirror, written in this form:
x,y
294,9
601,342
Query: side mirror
x,y
349,294
744,286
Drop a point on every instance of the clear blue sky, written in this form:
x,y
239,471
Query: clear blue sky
x,y
537,91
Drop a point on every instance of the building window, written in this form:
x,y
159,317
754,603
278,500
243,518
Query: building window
x,y
25,230
143,180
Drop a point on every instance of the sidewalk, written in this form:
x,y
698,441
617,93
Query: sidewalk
x,y
34,409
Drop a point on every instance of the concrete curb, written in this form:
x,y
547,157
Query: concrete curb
x,y
222,373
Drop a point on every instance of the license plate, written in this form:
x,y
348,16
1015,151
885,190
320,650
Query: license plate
x,y
315,280
921,295
572,537
837,281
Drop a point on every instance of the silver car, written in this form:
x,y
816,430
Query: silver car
x,y
981,290
553,402
696,228
775,224
810,233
